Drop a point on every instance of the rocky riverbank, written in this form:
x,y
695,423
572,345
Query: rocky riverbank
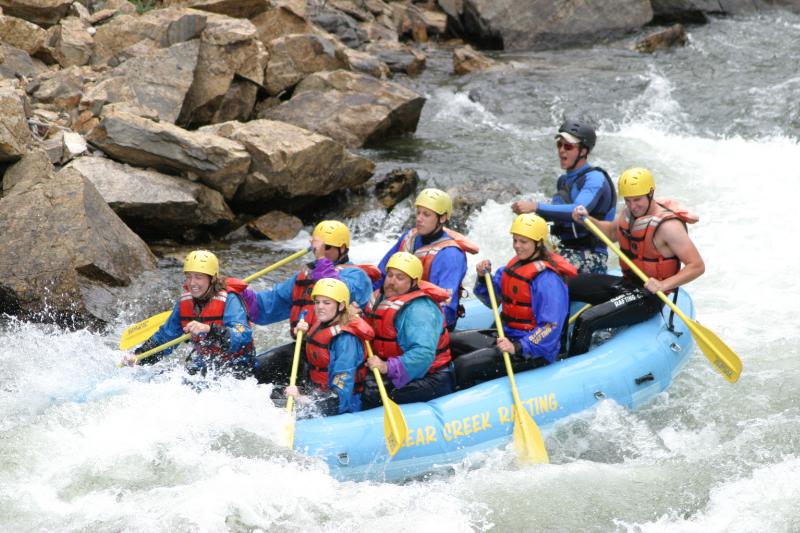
x,y
199,119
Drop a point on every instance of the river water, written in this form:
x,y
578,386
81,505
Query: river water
x,y
85,446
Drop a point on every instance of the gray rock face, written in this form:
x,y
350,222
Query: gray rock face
x,y
291,162
695,11
15,136
218,162
352,108
524,24
155,205
293,57
233,8
42,12
61,245
159,81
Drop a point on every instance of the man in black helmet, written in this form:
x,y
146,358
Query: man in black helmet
x,y
582,184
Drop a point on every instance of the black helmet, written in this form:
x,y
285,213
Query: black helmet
x,y
580,129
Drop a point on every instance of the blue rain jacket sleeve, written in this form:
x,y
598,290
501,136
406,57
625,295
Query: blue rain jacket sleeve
x,y
550,307
275,304
481,292
235,321
419,325
358,283
171,330
347,353
587,196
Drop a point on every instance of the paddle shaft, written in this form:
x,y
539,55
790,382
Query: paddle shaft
x,y
292,381
713,347
533,447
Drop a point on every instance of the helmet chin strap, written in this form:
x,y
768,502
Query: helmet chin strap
x,y
578,158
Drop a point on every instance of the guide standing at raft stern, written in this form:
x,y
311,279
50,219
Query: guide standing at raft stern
x,y
582,184
652,233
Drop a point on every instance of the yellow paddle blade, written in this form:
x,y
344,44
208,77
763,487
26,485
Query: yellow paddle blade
x,y
138,333
528,441
394,426
723,358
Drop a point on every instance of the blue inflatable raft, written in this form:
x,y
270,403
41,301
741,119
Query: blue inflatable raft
x,y
632,367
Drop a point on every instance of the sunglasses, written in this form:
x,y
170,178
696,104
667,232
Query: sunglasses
x,y
565,145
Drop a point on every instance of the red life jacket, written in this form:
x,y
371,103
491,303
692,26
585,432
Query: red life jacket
x,y
381,316
515,288
211,313
636,235
427,253
303,285
318,352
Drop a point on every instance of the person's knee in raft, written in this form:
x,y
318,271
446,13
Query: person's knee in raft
x,y
412,343
330,242
652,232
581,184
534,297
441,250
215,316
334,350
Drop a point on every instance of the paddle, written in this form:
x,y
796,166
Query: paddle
x,y
395,428
138,333
721,357
528,439
292,380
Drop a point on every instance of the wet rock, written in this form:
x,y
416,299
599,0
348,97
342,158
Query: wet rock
x,y
354,109
363,62
396,186
672,36
293,57
289,162
697,11
42,12
398,56
15,136
467,60
409,22
65,283
454,10
276,226
218,162
468,198
22,34
376,31
342,25
229,48
160,80
155,205
525,24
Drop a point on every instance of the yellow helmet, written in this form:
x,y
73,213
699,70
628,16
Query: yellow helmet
x,y
332,233
201,261
531,226
636,182
333,289
436,200
407,263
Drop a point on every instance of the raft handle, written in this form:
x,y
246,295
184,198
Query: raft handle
x,y
600,395
343,459
675,347
643,379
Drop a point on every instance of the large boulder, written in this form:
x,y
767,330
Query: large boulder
x,y
523,24
58,267
352,108
71,43
229,49
233,8
398,56
290,163
282,20
295,56
218,162
467,60
22,34
156,205
159,80
15,136
41,12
